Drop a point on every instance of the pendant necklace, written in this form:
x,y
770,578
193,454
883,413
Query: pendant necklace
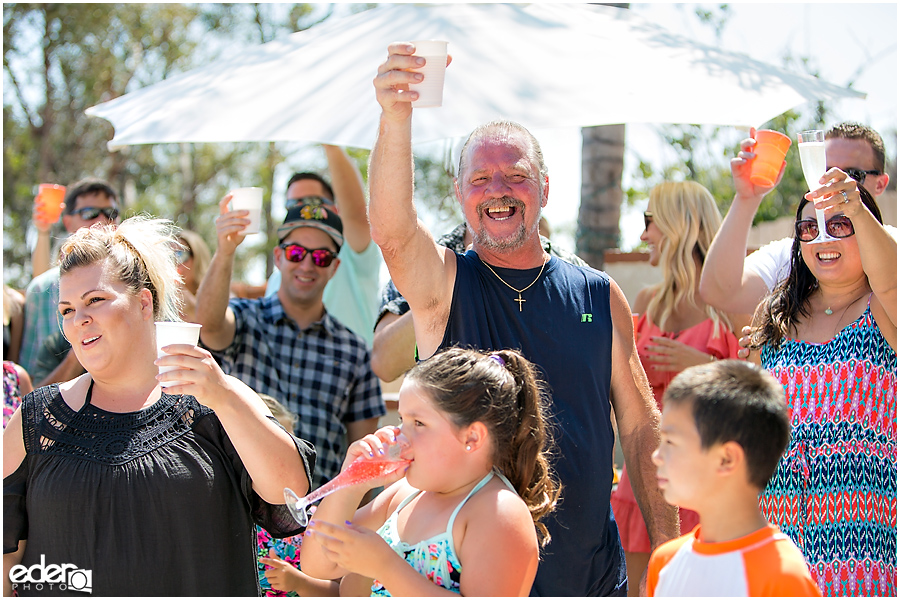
x,y
828,311
520,300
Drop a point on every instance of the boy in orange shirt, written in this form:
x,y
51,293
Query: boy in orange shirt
x,y
724,428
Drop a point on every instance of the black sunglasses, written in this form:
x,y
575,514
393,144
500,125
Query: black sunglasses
x,y
292,202
89,213
839,226
321,257
648,218
859,174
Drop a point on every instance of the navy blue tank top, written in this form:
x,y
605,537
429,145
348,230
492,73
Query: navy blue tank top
x,y
565,329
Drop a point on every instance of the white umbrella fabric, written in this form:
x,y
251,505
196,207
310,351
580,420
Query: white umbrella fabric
x,y
543,65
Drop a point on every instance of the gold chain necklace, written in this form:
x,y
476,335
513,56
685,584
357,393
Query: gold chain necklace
x,y
520,300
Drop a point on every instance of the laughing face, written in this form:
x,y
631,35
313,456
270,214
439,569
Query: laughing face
x,y
831,262
501,191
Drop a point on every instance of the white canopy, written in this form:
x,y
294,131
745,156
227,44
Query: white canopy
x,y
543,65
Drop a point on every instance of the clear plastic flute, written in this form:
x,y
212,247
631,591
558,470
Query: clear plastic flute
x,y
812,159
359,471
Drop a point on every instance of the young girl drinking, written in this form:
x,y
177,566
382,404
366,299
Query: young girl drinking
x,y
466,516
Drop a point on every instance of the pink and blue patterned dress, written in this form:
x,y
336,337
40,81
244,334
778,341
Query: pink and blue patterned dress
x,y
835,490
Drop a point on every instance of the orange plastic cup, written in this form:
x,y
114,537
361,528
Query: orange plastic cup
x,y
771,148
50,201
635,317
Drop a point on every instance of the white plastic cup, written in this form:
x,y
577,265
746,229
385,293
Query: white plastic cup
x,y
170,332
249,198
431,88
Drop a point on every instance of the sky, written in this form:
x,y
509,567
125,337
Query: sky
x,y
844,43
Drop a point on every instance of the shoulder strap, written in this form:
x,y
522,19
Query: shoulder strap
x,y
87,397
406,501
471,493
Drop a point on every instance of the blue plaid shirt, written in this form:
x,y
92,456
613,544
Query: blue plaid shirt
x,y
322,373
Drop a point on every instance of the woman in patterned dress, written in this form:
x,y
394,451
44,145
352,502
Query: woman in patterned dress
x,y
829,334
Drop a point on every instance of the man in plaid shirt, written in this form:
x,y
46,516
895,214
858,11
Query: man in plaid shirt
x,y
287,345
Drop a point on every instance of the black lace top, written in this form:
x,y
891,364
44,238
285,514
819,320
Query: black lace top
x,y
154,503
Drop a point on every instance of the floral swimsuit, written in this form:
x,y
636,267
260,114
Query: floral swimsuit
x,y
435,557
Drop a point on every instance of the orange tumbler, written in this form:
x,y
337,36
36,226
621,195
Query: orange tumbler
x,y
50,201
771,148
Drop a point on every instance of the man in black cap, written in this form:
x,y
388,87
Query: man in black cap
x,y
287,345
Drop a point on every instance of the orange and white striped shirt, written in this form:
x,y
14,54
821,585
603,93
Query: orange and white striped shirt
x,y
764,563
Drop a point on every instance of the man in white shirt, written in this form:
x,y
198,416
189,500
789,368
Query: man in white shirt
x,y
734,282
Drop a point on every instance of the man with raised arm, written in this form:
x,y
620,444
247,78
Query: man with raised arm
x,y
507,292
288,345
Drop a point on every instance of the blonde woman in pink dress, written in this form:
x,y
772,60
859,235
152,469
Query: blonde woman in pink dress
x,y
675,330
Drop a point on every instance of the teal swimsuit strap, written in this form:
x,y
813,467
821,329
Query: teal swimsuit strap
x,y
471,493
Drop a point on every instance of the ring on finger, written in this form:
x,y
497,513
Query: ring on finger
x,y
846,198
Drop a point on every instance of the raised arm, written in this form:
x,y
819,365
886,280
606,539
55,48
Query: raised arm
x,y
349,197
422,270
638,421
725,283
40,256
212,310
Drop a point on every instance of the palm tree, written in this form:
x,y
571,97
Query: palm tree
x,y
602,163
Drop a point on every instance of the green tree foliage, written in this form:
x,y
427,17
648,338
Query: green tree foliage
x,y
704,157
60,59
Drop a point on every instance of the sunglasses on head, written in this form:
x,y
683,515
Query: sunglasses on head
x,y
321,257
839,226
89,213
859,174
648,218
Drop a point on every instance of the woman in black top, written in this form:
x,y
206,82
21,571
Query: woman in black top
x,y
118,487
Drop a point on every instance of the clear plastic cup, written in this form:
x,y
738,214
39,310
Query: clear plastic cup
x,y
431,88
249,198
170,332
50,201
771,148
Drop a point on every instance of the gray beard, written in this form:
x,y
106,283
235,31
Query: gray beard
x,y
481,237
